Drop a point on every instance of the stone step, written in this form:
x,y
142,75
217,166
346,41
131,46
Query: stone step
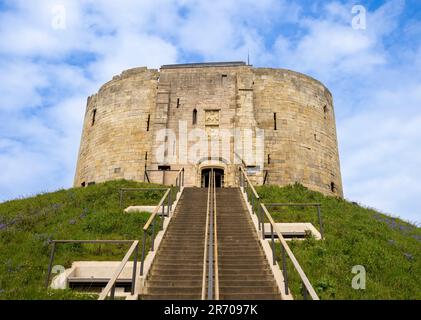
x,y
179,296
249,289
157,271
175,290
175,283
249,296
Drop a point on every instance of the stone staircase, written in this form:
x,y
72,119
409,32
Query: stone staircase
x,y
177,270
244,272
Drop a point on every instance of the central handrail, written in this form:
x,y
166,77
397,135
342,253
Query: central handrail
x,y
215,241
211,234
205,250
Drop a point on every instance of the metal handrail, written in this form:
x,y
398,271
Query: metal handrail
x,y
112,283
180,172
317,205
244,178
285,248
155,211
251,198
54,247
211,239
205,250
216,242
124,190
165,200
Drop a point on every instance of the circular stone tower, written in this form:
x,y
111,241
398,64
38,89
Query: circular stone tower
x,y
290,117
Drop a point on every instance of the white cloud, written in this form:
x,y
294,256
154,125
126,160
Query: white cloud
x,y
376,85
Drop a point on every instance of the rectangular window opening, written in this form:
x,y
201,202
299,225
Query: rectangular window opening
x,y
148,122
164,168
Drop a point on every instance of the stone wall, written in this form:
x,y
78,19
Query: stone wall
x,y
303,148
115,145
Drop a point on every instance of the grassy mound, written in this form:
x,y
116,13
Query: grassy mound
x,y
27,225
388,248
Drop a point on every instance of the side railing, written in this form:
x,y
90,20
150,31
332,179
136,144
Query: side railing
x,y
315,205
123,191
306,285
110,287
251,193
180,175
163,206
113,279
261,211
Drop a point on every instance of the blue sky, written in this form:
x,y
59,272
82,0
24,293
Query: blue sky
x,y
374,74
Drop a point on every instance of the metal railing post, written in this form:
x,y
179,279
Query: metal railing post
x,y
162,215
168,204
263,229
143,253
153,235
50,265
112,292
259,216
319,214
134,268
273,244
284,269
305,296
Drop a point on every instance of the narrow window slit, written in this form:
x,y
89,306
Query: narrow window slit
x,y
274,121
194,116
93,116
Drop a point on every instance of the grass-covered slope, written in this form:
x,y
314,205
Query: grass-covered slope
x,y
27,225
388,248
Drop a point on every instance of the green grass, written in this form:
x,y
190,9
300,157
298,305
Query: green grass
x,y
27,225
387,247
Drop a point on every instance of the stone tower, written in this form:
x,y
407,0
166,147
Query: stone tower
x,y
146,124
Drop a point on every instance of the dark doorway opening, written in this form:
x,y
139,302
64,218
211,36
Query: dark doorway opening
x,y
219,177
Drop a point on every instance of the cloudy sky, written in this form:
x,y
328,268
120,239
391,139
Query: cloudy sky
x,y
54,53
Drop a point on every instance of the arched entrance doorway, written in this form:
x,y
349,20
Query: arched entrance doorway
x,y
219,177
